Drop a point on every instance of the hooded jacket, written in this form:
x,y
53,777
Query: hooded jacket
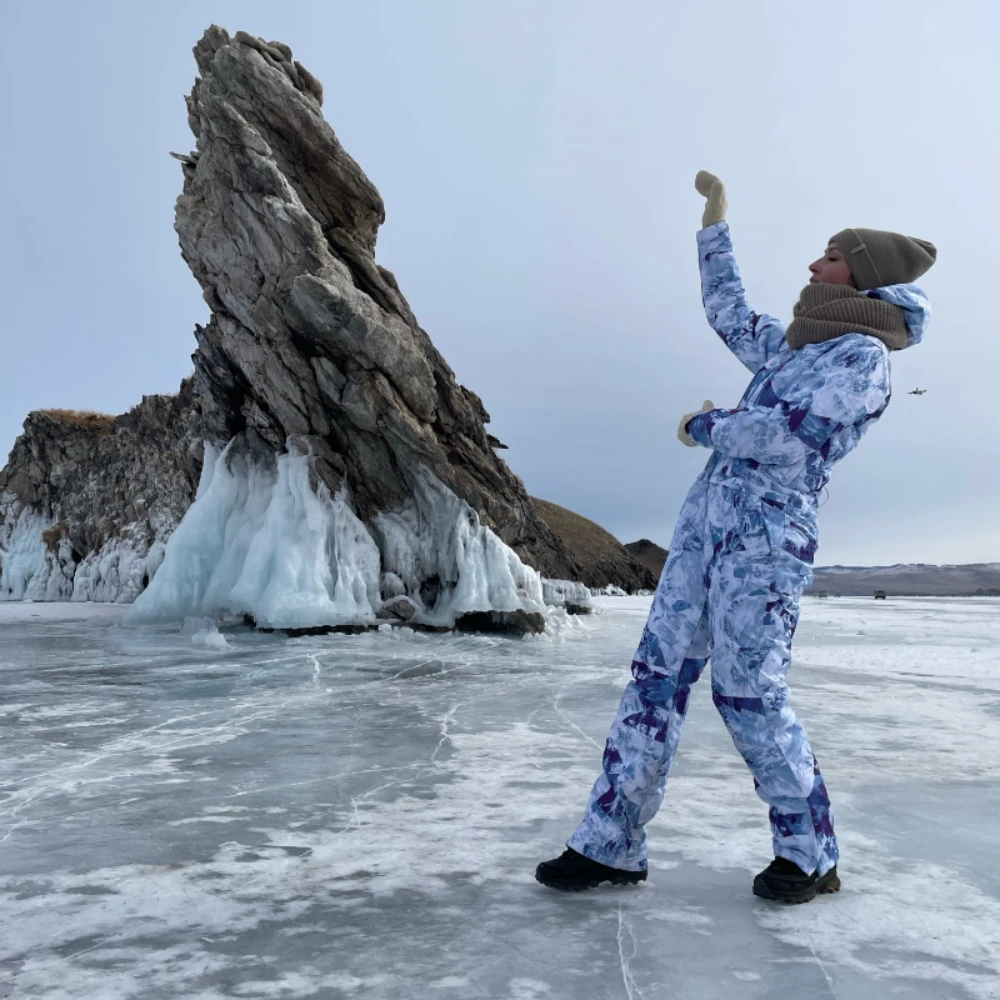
x,y
804,410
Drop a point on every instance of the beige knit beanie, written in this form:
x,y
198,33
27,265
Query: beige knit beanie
x,y
878,258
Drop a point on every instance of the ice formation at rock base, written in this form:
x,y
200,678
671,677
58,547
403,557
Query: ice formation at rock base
x,y
38,562
276,546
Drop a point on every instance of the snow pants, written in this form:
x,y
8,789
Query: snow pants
x,y
730,592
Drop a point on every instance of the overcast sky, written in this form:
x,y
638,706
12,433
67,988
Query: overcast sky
x,y
536,161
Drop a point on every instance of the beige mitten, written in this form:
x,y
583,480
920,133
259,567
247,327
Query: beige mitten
x,y
682,434
715,191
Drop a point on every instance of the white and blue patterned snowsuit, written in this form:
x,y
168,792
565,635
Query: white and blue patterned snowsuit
x,y
740,557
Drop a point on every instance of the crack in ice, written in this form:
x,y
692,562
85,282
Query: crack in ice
x,y
123,745
570,722
625,926
325,777
822,968
445,735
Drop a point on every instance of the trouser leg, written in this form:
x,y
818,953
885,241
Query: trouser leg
x,y
753,610
637,758
647,727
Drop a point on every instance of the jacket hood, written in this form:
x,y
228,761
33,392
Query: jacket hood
x,y
914,304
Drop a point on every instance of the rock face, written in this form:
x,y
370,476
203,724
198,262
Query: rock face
x,y
88,501
311,352
600,559
310,340
651,555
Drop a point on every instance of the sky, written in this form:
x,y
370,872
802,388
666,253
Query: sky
x,y
537,164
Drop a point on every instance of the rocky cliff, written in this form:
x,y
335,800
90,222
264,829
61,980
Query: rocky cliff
x,y
88,501
309,338
651,555
600,560
310,352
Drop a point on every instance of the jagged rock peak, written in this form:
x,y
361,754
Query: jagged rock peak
x,y
310,340
322,465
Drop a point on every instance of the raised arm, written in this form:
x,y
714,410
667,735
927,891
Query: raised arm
x,y
752,337
848,386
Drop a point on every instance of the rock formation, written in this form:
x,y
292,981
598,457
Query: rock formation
x,y
651,555
88,501
317,393
599,558
309,338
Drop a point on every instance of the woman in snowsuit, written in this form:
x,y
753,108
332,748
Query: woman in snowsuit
x,y
743,548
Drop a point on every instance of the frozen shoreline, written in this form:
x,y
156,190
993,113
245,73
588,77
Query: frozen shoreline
x,y
16,611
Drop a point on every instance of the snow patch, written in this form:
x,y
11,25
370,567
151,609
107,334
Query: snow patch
x,y
202,632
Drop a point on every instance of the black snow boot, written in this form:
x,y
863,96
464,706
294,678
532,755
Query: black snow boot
x,y
786,882
573,871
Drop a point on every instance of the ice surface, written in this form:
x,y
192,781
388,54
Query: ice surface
x,y
360,816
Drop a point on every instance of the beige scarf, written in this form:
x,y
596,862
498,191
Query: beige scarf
x,y
826,311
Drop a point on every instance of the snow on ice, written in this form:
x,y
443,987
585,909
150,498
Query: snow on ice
x,y
360,816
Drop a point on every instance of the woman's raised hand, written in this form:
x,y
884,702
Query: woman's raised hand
x,y
715,192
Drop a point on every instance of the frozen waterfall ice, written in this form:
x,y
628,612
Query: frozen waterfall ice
x,y
267,544
37,562
30,568
272,545
437,535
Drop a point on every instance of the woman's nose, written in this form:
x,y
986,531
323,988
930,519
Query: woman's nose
x,y
813,269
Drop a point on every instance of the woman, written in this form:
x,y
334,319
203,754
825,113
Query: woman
x,y
743,549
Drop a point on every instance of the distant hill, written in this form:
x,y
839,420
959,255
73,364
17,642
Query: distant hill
x,y
651,555
599,556
909,580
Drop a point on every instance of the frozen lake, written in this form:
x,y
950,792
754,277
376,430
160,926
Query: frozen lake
x,y
360,816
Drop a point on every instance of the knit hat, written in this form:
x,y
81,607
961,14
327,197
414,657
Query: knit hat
x,y
878,258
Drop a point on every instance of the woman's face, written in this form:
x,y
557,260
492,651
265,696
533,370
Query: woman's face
x,y
831,268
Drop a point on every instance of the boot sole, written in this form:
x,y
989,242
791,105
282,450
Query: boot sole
x,y
626,878
821,888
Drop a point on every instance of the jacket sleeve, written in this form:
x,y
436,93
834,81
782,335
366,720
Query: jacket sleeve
x,y
848,386
752,337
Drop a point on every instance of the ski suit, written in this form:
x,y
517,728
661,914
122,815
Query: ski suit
x,y
740,557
